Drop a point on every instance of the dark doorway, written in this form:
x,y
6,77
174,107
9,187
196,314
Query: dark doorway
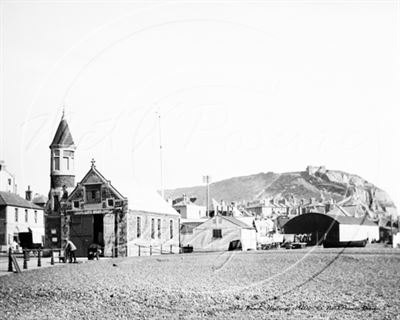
x,y
235,245
86,230
98,229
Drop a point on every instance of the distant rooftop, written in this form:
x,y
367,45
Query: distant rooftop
x,y
12,199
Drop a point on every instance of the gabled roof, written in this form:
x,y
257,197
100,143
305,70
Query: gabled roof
x,y
144,199
95,172
12,199
232,220
237,222
187,227
63,137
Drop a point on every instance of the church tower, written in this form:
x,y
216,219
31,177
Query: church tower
x,y
62,182
62,171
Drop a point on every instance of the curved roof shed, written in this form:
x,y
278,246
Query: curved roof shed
x,y
333,229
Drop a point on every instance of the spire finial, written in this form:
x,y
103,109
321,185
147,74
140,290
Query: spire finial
x,y
93,162
63,112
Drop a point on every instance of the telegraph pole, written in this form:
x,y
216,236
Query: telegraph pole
x,y
206,180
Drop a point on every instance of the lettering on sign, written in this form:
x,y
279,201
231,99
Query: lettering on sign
x,y
86,212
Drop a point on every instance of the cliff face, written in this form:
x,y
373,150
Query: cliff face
x,y
315,182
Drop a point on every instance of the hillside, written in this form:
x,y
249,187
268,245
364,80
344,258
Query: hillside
x,y
314,182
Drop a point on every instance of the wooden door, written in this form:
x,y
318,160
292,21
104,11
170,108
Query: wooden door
x,y
81,233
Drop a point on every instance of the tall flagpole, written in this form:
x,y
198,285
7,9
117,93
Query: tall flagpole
x,y
161,159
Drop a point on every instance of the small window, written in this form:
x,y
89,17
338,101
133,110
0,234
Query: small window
x,y
56,163
76,204
152,229
217,233
16,214
26,215
171,229
35,215
53,231
9,182
138,227
110,202
93,193
66,162
159,228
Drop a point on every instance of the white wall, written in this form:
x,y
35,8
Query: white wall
x,y
13,226
145,240
396,240
202,237
191,211
351,232
248,239
4,183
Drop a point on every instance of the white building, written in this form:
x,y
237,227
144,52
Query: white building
x,y
186,207
152,224
19,215
220,233
7,179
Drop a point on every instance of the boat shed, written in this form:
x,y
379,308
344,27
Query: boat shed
x,y
333,230
221,233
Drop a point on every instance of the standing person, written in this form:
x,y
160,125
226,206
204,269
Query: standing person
x,y
14,246
70,249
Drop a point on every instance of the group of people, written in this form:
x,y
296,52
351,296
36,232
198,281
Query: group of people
x,y
70,248
306,237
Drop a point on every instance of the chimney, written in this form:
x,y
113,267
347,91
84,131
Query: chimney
x,y
28,194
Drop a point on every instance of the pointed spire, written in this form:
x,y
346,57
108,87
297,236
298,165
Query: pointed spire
x,y
63,137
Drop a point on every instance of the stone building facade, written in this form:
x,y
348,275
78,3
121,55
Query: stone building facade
x,y
95,212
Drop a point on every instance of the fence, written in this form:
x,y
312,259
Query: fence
x,y
154,250
29,259
32,259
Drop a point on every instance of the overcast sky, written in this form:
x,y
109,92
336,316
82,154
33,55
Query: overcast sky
x,y
241,88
